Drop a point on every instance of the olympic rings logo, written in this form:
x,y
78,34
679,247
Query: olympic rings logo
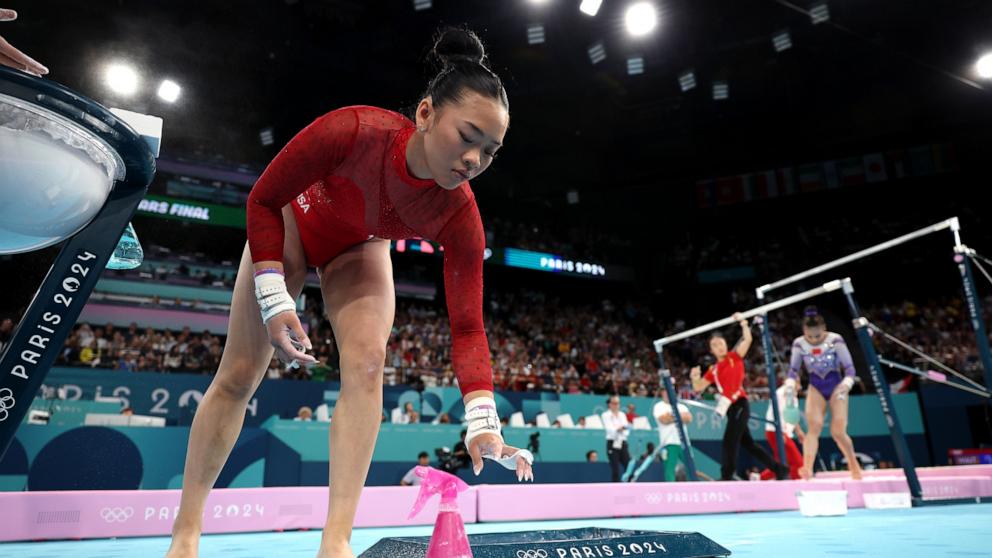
x,y
653,498
539,553
116,515
6,402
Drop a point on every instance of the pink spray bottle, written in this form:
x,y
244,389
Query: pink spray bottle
x,y
449,539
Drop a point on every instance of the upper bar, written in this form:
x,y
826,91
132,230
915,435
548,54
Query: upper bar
x,y
825,288
951,223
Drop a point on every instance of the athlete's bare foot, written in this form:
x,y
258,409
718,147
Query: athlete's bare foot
x,y
183,547
855,473
805,473
335,550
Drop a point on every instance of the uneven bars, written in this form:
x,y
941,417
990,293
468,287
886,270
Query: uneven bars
x,y
940,378
835,285
951,223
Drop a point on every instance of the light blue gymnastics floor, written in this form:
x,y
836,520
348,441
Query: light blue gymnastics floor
x,y
963,530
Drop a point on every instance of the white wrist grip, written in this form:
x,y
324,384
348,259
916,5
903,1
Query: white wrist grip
x,y
481,416
272,296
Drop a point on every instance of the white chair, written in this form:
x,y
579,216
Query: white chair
x,y
565,421
595,421
641,423
517,420
323,413
542,420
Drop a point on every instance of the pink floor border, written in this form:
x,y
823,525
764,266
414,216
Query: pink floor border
x,y
99,514
135,513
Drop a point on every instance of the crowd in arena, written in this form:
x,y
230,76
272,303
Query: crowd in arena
x,y
537,343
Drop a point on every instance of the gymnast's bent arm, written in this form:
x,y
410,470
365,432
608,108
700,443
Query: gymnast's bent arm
x,y
307,159
744,345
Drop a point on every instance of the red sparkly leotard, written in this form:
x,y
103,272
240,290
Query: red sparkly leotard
x,y
346,179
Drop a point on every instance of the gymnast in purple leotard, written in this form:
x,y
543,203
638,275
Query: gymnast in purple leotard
x,y
828,361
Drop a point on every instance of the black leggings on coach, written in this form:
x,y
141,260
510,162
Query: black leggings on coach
x,y
619,458
737,435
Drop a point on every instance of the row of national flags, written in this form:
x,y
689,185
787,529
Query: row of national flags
x,y
924,160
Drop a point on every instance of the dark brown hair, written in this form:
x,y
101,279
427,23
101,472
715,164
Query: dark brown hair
x,y
461,58
812,317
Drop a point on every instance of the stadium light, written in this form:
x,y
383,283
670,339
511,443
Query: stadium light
x,y
169,91
984,66
590,7
687,80
122,79
635,65
721,91
597,52
819,13
641,18
782,40
535,34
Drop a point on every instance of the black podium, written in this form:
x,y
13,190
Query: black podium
x,y
572,543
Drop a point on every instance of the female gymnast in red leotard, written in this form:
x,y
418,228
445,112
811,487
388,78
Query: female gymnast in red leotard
x,y
331,199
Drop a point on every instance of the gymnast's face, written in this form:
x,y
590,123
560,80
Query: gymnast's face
x,y
718,347
814,334
461,138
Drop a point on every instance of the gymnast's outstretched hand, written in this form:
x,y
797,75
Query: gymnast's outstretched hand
x,y
491,446
10,56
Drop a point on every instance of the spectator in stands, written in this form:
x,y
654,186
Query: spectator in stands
x,y
90,356
407,415
305,414
174,360
411,478
631,413
411,414
592,456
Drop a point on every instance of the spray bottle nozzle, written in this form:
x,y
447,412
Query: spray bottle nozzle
x,y
434,482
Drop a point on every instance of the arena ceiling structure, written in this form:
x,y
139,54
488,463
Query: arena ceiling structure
x,y
802,80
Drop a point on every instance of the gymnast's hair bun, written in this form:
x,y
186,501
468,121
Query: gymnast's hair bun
x,y
812,317
457,44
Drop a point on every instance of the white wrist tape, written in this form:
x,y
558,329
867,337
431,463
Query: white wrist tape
x,y
790,383
480,414
272,296
848,382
